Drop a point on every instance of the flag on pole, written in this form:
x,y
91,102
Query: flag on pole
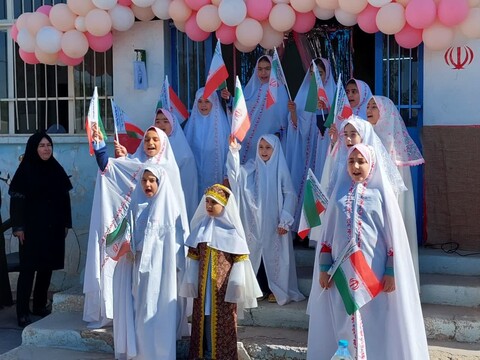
x,y
169,100
118,240
126,133
355,280
217,75
341,108
314,203
94,120
240,118
316,91
277,78
164,98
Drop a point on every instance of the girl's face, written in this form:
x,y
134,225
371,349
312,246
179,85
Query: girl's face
x,y
204,106
358,167
213,208
149,183
322,72
44,149
162,123
151,143
353,94
263,71
265,150
352,137
373,114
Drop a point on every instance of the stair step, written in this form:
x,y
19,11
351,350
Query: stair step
x,y
453,290
437,261
29,352
69,300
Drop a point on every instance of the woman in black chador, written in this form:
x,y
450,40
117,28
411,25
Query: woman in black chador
x,y
41,216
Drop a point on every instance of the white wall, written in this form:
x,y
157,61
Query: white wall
x,y
139,104
451,96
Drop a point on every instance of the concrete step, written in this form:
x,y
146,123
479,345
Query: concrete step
x,y
456,290
29,352
437,261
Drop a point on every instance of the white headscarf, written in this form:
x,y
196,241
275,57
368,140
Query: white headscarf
x,y
185,161
208,139
224,232
365,95
262,121
391,129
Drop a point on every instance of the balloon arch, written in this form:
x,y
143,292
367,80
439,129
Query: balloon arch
x,y
63,33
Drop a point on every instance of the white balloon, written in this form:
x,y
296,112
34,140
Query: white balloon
x,y
271,37
232,12
49,39
470,27
80,24
345,18
379,3
323,14
353,6
249,32
142,13
122,17
160,9
282,17
438,36
143,3
25,40
105,4
243,48
328,4
303,5
216,2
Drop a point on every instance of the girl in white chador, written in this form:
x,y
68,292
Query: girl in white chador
x,y
358,93
267,204
207,132
371,301
145,277
307,138
390,128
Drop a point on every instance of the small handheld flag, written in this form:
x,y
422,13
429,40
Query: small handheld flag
x,y
240,118
341,108
126,133
94,121
217,75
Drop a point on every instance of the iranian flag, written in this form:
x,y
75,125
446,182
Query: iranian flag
x,y
118,241
240,118
126,133
273,82
356,282
314,203
94,120
169,100
217,75
316,91
341,108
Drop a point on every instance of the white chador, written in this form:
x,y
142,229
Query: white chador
x,y
267,200
306,145
208,139
263,121
389,326
145,279
365,94
112,196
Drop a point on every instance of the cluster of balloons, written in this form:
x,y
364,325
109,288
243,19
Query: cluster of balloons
x,y
63,33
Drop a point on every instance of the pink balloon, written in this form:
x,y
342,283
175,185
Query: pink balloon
x,y
28,57
45,9
99,43
67,60
452,12
125,2
258,9
196,4
304,22
409,37
193,30
14,32
226,34
367,19
420,14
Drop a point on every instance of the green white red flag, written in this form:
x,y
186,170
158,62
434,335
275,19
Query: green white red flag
x,y
314,203
169,100
341,109
94,120
118,240
316,91
240,118
217,75
126,132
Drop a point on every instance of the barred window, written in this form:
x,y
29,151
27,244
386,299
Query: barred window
x,y
48,97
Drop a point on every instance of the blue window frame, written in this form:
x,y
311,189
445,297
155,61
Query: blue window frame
x,y
399,76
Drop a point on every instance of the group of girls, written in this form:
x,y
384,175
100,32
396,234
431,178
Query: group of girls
x,y
169,195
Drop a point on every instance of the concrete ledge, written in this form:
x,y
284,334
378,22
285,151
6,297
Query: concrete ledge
x,y
437,261
455,290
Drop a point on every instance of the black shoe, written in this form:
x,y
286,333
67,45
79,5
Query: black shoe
x,y
24,321
42,312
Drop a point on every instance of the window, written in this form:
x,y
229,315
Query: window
x,y
48,97
399,76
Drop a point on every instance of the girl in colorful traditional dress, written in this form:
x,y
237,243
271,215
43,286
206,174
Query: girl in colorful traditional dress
x,y
364,288
263,121
207,132
307,138
219,276
358,93
389,126
267,201
145,277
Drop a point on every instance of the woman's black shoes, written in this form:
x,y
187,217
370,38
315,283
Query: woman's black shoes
x,y
24,321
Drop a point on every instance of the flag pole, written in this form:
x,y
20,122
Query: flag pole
x,y
283,74
114,120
